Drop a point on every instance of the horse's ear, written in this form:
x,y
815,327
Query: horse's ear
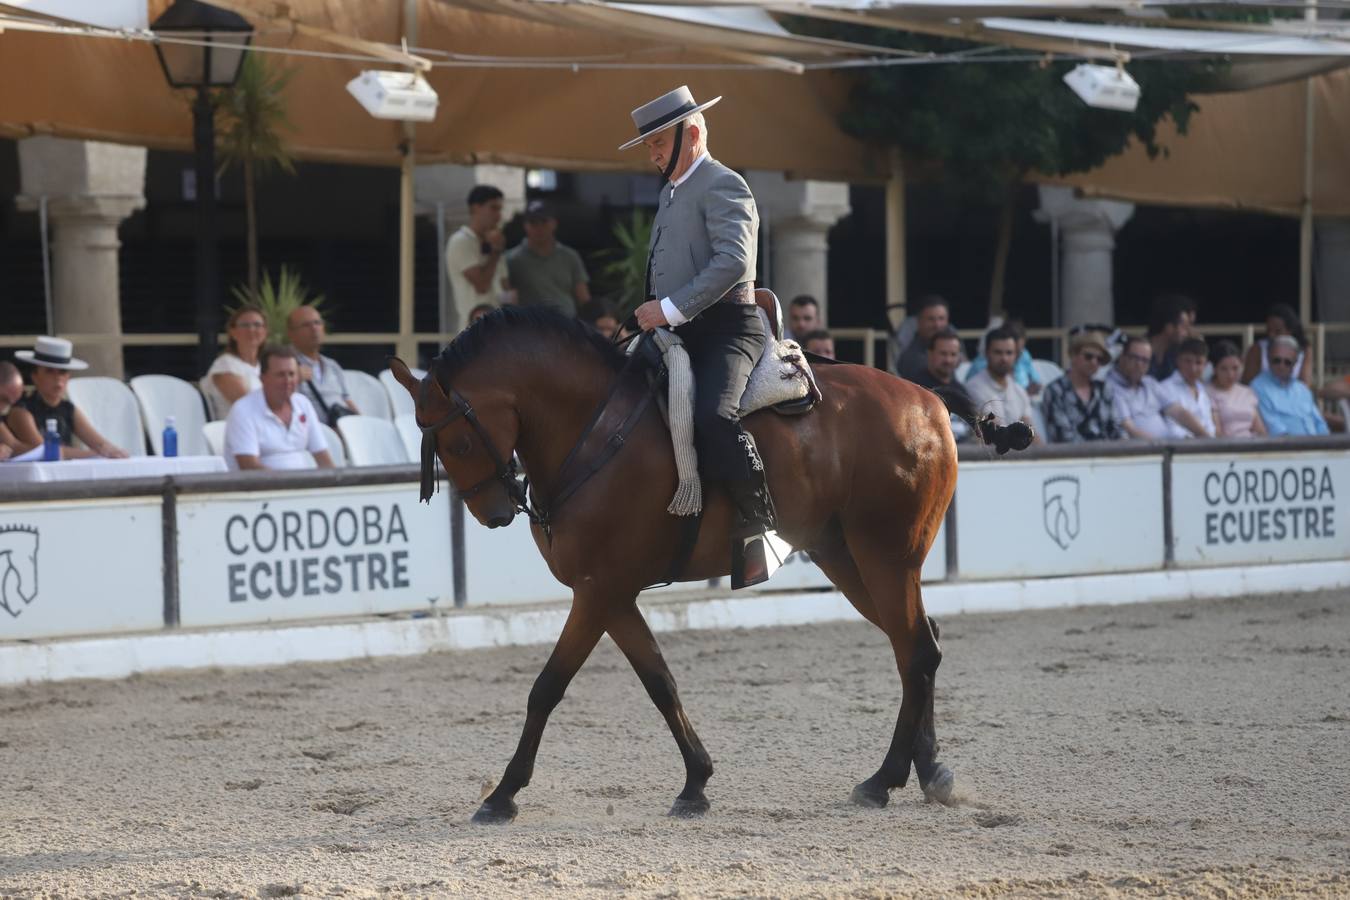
x,y
404,375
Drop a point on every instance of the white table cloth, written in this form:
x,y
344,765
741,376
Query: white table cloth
x,y
99,469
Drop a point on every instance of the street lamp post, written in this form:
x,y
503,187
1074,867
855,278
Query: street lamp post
x,y
202,47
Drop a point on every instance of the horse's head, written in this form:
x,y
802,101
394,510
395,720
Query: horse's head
x,y
474,440
18,567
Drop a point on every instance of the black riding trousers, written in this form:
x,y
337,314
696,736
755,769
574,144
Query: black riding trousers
x,y
724,342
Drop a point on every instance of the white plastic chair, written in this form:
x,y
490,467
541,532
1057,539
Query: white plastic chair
x,y
1047,371
399,398
371,441
410,434
111,408
368,394
163,395
336,448
213,435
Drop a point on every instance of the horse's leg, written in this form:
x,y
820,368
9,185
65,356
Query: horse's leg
x,y
630,632
913,637
579,636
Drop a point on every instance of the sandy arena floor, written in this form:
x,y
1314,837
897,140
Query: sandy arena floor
x,y
1197,748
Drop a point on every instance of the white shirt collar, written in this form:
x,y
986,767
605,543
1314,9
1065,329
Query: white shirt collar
x,y
687,172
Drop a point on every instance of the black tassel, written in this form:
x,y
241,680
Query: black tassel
x,y
429,485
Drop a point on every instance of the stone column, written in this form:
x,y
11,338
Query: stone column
x,y
1331,282
797,217
449,186
91,188
1087,243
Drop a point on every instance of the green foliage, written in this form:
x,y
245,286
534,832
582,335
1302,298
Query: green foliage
x,y
625,266
986,124
251,116
277,300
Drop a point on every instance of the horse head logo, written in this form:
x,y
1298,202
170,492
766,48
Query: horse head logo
x,y
18,567
1060,494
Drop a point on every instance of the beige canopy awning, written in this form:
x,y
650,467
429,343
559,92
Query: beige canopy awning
x,y
548,89
1242,151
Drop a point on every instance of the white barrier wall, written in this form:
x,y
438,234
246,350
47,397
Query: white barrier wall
x,y
81,567
1059,517
306,554
1260,508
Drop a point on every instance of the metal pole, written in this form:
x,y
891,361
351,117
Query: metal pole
x,y
895,239
407,344
445,323
208,252
1305,231
1055,312
46,264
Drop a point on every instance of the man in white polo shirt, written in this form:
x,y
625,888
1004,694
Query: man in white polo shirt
x,y
274,427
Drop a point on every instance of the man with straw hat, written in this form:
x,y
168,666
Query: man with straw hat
x,y
701,282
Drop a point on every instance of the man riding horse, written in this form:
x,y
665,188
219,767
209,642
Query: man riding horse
x,y
701,283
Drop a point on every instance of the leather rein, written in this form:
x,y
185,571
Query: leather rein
x,y
506,472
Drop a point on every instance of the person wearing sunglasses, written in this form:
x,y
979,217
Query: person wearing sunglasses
x,y
1077,407
1287,404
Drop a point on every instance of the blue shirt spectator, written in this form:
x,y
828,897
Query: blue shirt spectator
x,y
1287,405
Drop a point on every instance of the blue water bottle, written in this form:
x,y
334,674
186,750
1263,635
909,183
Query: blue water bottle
x,y
170,437
51,443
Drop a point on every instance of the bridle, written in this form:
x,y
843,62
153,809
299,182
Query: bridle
x,y
505,472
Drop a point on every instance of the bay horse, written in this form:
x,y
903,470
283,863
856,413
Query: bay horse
x,y
862,482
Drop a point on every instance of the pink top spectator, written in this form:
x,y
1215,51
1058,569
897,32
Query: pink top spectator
x,y
1237,408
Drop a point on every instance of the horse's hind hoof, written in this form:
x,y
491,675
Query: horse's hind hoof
x,y
870,797
495,815
941,788
689,809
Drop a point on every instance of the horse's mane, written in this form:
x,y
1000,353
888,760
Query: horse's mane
x,y
517,325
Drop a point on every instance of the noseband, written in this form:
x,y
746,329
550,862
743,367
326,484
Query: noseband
x,y
504,472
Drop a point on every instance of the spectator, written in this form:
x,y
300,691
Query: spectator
x,y
1142,409
602,316
995,389
1166,328
322,376
819,342
944,354
1189,312
473,256
543,271
11,392
1077,407
1186,389
52,364
275,427
1280,320
930,319
481,310
1287,404
803,317
1024,369
1235,404
235,372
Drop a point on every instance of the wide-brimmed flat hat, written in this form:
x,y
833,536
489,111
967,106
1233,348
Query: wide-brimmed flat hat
x,y
664,112
52,352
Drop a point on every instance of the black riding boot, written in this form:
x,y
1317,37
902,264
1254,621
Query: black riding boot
x,y
755,550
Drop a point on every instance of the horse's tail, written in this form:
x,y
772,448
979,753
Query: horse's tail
x,y
1016,436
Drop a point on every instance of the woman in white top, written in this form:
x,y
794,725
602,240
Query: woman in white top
x,y
1281,320
235,372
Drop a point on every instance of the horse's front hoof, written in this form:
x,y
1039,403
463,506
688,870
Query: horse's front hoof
x,y
871,797
689,809
495,814
941,788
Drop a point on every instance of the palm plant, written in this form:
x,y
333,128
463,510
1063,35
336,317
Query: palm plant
x,y
626,265
277,301
252,114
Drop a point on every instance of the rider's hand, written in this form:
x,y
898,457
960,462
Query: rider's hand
x,y
650,315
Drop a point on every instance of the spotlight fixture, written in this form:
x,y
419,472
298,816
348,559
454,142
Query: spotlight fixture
x,y
405,96
1105,87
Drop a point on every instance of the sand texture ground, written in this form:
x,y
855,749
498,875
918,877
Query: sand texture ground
x,y
1200,748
